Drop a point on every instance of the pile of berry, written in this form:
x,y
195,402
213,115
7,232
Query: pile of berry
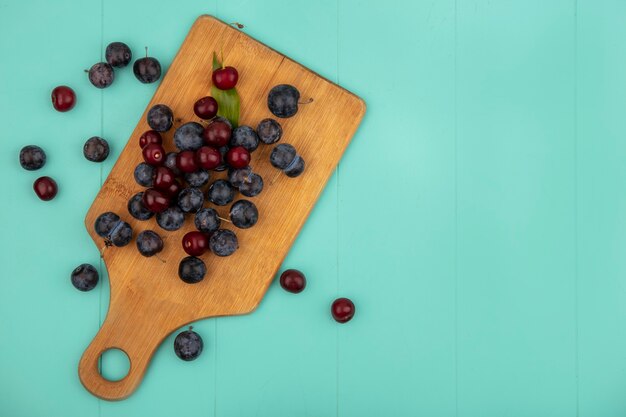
x,y
178,184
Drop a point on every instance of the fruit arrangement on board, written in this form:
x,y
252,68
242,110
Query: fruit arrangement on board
x,y
179,186
174,181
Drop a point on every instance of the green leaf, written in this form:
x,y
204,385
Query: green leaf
x,y
216,63
227,100
227,104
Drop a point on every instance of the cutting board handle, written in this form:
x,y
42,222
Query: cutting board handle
x,y
133,337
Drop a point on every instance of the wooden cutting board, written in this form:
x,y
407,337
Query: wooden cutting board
x,y
148,300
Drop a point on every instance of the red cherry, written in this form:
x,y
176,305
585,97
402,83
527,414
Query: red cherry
x,y
342,310
63,98
217,134
155,200
163,178
238,157
186,161
151,136
225,78
195,243
205,108
173,190
208,157
293,281
45,188
153,154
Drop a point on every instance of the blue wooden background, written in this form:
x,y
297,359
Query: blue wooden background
x,y
477,220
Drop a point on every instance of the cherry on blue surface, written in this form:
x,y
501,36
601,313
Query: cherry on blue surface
x,y
342,310
45,188
63,98
293,281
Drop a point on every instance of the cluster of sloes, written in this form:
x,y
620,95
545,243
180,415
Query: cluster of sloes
x,y
179,184
176,181
118,55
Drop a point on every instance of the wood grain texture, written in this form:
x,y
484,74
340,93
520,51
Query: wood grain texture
x,y
148,300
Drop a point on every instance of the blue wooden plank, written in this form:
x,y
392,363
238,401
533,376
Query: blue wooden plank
x,y
601,204
45,323
515,174
396,210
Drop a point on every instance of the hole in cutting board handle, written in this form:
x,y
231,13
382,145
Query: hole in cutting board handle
x,y
114,364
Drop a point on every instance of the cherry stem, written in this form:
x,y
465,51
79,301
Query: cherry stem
x,y
146,51
159,258
226,220
107,243
309,101
238,25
